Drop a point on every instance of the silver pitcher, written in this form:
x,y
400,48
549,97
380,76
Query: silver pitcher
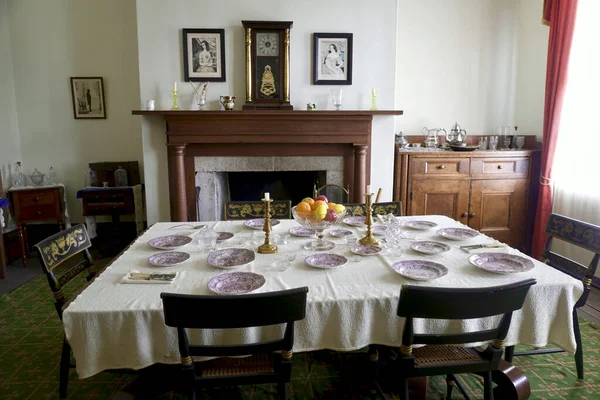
x,y
431,137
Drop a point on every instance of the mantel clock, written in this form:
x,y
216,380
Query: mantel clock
x,y
267,65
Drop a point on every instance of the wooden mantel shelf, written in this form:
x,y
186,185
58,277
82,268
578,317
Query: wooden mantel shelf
x,y
190,134
263,113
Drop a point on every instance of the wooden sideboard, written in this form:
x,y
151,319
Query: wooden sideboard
x,y
487,190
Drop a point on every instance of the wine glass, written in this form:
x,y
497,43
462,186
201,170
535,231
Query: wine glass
x,y
336,98
520,142
504,134
493,143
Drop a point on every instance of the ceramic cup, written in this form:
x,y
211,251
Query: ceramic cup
x,y
150,105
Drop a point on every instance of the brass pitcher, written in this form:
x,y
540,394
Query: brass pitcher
x,y
228,102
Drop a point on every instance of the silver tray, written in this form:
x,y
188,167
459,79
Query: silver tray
x,y
419,270
501,263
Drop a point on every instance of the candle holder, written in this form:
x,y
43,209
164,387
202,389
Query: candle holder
x,y
369,240
175,96
267,247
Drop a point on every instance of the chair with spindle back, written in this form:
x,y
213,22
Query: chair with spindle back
x,y
445,354
54,252
585,236
359,209
239,210
268,361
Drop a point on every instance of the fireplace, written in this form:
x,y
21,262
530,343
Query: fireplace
x,y
193,135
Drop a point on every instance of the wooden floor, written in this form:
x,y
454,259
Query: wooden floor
x,y
591,310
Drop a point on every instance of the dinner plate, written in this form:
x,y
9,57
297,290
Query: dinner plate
x,y
302,231
457,233
355,220
257,223
236,283
501,263
420,270
326,261
169,242
366,250
168,258
224,236
420,225
340,233
230,258
430,247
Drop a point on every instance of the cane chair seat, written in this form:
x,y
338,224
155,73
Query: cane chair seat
x,y
440,355
254,364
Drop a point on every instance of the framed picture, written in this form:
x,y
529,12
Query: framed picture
x,y
204,55
88,98
332,58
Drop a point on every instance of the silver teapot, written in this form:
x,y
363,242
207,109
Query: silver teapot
x,y
457,136
401,140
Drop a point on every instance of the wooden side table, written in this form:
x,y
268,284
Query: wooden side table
x,y
36,204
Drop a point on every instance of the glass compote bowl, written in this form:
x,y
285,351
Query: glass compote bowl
x,y
312,221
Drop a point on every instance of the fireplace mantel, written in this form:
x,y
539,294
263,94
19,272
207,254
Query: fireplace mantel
x,y
193,134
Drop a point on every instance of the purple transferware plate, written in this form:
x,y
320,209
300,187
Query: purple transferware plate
x,y
230,258
236,283
356,220
224,236
257,223
168,258
419,270
430,247
340,233
457,233
301,231
324,260
169,242
365,250
501,263
420,225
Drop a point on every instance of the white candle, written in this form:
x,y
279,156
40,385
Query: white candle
x,y
174,86
267,196
368,189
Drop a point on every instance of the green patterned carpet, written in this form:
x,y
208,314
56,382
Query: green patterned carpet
x,y
31,337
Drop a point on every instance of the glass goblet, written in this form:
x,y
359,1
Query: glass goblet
x,y
520,142
336,98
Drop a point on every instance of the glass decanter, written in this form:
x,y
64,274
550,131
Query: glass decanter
x,y
120,177
18,177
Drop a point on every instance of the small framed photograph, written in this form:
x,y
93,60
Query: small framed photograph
x,y
88,98
332,58
204,55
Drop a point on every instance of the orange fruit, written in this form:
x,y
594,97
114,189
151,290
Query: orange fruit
x,y
317,204
303,207
308,200
331,205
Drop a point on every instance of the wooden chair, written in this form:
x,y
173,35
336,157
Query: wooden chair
x,y
237,210
53,252
270,361
392,207
586,236
439,357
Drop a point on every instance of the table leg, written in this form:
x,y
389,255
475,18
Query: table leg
x,y
21,231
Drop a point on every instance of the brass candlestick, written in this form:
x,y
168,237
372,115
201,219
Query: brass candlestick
x,y
369,240
175,96
267,247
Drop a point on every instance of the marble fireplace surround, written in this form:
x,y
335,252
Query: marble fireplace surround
x,y
269,133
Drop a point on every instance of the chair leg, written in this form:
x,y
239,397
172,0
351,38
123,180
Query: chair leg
x,y
449,386
65,364
509,353
282,390
579,351
404,389
488,392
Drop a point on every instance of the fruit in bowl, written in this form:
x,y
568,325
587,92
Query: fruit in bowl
x,y
318,216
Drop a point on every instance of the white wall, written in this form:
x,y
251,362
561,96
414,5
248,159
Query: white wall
x,y
373,25
52,41
10,145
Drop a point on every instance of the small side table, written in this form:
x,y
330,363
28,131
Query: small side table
x,y
36,204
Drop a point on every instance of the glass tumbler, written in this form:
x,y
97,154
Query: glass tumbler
x,y
207,240
493,143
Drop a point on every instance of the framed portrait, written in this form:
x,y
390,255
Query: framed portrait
x,y
88,98
332,58
204,55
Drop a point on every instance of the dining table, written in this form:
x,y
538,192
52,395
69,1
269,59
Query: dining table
x,y
114,323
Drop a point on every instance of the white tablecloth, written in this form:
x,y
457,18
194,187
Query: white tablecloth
x,y
113,325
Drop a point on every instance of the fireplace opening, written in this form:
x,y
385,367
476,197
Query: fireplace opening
x,y
282,185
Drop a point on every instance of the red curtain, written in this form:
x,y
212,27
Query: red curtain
x,y
560,15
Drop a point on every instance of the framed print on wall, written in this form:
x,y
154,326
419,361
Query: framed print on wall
x,y
204,55
88,98
332,58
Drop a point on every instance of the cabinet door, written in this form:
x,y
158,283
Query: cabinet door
x,y
449,197
499,209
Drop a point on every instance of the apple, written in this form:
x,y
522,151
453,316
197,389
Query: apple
x,y
331,216
322,197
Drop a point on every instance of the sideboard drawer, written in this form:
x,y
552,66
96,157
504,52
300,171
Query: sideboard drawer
x,y
441,166
41,212
512,167
105,198
105,209
35,198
